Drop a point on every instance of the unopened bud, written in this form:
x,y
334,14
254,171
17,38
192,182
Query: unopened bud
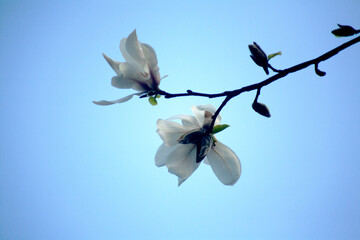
x,y
259,56
261,109
344,31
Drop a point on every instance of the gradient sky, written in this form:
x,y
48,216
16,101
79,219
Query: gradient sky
x,y
70,169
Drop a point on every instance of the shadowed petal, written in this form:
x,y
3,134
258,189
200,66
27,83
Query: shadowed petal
x,y
121,82
224,163
152,62
125,83
162,154
131,71
199,115
182,161
170,131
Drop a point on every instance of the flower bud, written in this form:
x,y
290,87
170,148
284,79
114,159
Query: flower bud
x,y
344,31
152,101
259,56
261,109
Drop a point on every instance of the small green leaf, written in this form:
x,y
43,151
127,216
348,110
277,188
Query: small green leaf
x,y
158,96
219,128
270,56
152,101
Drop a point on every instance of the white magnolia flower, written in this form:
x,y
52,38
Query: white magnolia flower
x,y
186,145
140,71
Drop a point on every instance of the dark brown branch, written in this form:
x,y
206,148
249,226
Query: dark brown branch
x,y
281,73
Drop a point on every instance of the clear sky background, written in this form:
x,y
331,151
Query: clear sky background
x,y
70,169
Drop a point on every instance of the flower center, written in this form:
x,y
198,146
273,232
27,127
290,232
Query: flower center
x,y
204,142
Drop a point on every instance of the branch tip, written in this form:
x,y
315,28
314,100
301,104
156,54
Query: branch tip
x,y
318,71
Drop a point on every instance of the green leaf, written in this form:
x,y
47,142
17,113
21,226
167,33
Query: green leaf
x,y
152,101
219,128
270,56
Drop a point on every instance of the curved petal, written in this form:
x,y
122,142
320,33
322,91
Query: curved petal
x,y
186,120
182,161
129,70
150,55
225,164
152,62
121,100
162,154
121,82
133,53
115,65
199,115
211,109
207,107
170,131
126,83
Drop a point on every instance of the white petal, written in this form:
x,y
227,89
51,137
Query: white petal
x,y
152,63
186,120
115,65
182,161
162,154
129,70
206,161
121,82
131,50
207,107
150,54
121,100
199,115
126,83
224,163
170,131
211,109
180,181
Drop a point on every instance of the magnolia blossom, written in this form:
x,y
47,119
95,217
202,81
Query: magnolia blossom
x,y
187,144
140,71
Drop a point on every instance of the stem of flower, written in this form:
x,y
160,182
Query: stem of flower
x,y
216,114
273,69
257,95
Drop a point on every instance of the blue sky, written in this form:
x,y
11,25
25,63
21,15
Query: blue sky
x,y
70,169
